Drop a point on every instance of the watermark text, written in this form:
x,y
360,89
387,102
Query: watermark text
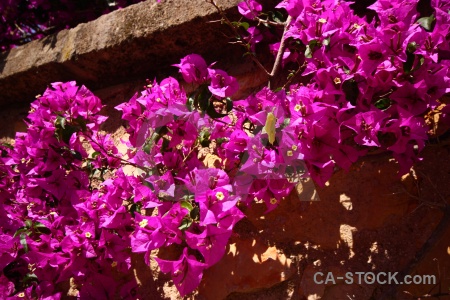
x,y
373,278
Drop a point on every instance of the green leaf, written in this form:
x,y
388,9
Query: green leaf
x,y
410,57
188,197
220,141
81,122
8,145
29,278
308,52
326,43
427,22
23,241
147,147
66,133
39,225
41,228
351,91
278,89
185,224
411,48
211,111
408,64
383,103
204,137
229,104
235,24
420,60
310,48
195,213
277,16
77,155
28,223
203,98
186,205
286,122
190,103
135,207
244,25
20,231
346,69
148,184
60,122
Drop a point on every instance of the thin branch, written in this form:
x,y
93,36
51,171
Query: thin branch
x,y
228,22
258,63
190,152
268,22
114,156
279,59
299,70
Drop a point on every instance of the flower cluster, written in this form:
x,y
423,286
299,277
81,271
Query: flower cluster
x,y
60,220
174,140
73,209
360,85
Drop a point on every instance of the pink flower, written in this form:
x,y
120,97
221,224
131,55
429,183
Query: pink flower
x,y
186,272
372,55
193,68
222,85
249,9
211,243
366,125
293,7
254,37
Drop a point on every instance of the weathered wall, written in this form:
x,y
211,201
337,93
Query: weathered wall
x,y
124,47
367,219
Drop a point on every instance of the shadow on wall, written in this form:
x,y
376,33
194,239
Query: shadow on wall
x,y
11,120
3,56
367,220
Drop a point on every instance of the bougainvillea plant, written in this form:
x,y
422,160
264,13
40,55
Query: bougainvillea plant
x,y
72,210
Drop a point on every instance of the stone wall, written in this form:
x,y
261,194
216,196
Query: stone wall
x,y
367,219
117,52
